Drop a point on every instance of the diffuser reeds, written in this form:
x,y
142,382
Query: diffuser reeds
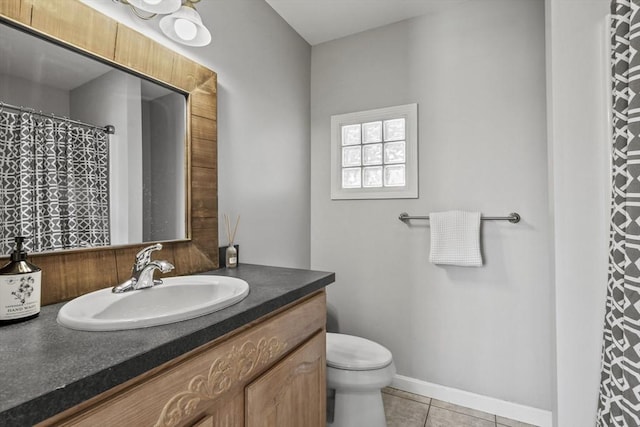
x,y
231,236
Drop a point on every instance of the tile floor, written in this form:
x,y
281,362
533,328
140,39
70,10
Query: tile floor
x,y
411,410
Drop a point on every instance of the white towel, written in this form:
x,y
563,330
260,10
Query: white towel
x,y
455,238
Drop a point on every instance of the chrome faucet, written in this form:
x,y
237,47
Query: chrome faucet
x,y
142,271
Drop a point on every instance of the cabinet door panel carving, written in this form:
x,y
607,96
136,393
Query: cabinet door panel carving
x,y
225,372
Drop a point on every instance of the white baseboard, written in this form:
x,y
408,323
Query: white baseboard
x,y
502,408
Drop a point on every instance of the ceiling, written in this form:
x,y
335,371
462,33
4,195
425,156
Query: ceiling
x,y
318,21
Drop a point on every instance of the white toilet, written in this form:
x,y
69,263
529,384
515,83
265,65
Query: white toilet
x,y
357,369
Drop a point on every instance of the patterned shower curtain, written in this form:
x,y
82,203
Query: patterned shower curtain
x,y
619,401
54,183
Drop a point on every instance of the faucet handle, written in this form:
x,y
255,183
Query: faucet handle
x,y
144,256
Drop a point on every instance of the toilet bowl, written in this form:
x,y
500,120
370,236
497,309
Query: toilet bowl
x,y
357,369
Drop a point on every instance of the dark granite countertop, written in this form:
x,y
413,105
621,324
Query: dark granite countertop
x,y
47,368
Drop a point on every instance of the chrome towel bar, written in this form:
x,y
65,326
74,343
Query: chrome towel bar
x,y
513,217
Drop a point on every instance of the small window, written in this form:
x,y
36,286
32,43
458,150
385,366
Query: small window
x,y
374,154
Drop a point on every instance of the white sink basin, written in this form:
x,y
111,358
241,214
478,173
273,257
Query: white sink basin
x,y
178,298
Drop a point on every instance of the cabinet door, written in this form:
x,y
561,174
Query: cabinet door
x,y
293,392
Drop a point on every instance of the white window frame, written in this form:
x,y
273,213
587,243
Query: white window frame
x,y
410,191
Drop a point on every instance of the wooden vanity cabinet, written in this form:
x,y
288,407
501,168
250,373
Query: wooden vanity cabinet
x,y
269,373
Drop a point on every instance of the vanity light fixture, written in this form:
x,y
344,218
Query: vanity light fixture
x,y
181,23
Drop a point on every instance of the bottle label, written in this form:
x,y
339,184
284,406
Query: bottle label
x,y
233,260
19,295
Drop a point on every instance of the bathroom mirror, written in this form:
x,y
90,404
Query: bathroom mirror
x,y
140,197
80,28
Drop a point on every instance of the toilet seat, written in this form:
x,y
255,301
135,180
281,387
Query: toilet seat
x,y
355,353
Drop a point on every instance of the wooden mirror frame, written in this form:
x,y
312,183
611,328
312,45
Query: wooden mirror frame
x,y
75,25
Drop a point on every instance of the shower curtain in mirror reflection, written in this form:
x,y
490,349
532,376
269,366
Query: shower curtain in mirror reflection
x,y
619,400
54,183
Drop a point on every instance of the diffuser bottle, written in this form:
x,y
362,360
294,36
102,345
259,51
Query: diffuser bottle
x,y
19,288
231,253
231,256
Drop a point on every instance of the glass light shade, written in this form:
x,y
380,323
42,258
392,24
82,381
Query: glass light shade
x,y
186,30
202,36
156,6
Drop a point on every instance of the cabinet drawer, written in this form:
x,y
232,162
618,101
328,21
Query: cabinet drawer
x,y
214,373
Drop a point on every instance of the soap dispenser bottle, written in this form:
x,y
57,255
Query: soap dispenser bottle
x,y
19,288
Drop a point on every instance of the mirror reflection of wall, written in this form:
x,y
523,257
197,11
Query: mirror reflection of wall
x,y
147,178
163,165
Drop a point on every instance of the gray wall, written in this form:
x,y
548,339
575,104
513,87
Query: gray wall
x,y
263,111
263,71
579,145
477,72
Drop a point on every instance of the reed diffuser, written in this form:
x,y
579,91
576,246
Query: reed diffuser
x,y
231,255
